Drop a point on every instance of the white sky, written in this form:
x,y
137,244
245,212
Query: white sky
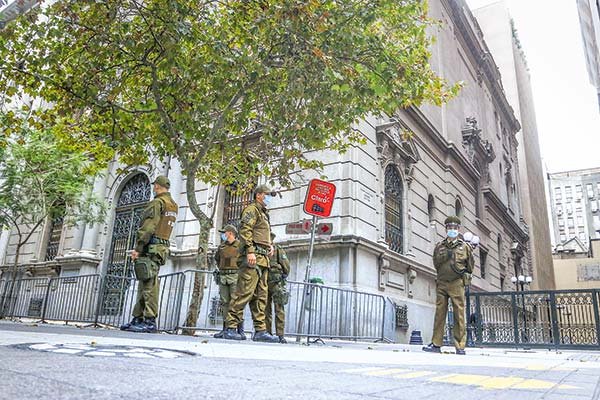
x,y
566,104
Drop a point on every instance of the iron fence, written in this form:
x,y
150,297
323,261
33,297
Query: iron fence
x,y
559,319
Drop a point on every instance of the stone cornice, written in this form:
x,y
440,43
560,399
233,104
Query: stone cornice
x,y
481,57
502,210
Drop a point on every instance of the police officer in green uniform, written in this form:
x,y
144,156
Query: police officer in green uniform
x,y
151,251
253,262
227,275
278,294
453,261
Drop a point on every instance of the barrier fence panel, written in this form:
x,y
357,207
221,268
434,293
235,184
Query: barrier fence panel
x,y
72,298
25,297
559,319
319,311
115,308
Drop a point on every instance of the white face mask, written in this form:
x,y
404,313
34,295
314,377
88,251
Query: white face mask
x,y
452,233
267,200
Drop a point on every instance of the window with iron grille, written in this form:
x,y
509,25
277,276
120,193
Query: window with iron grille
x,y
54,238
482,262
393,209
234,204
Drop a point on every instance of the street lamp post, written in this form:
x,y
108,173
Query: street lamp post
x,y
522,280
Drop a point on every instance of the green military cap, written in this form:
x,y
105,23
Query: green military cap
x,y
452,219
162,181
228,228
263,189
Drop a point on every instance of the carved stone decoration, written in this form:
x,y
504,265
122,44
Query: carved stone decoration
x,y
395,144
477,148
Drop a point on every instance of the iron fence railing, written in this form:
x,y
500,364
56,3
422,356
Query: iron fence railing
x,y
313,310
559,319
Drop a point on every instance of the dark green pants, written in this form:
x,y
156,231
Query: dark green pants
x,y
147,295
455,291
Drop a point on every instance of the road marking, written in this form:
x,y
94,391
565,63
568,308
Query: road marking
x,y
482,381
415,374
390,371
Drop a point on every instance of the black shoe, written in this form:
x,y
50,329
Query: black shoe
x,y
219,335
460,352
282,339
148,326
231,334
240,330
432,348
134,321
263,336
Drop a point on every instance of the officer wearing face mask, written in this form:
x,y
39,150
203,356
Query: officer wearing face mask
x,y
253,262
226,258
452,259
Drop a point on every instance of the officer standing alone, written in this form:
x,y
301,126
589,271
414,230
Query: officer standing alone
x,y
453,261
151,251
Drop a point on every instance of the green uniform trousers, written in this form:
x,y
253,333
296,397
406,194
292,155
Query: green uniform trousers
x,y
455,291
279,312
147,298
227,285
251,288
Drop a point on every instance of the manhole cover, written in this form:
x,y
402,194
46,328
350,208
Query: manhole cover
x,y
94,350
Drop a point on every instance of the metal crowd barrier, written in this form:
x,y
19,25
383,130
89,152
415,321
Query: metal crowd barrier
x,y
553,319
313,310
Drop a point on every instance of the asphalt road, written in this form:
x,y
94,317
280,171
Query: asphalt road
x,y
57,362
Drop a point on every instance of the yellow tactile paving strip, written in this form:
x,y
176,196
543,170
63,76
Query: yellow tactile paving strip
x,y
483,381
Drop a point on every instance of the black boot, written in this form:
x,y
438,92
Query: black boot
x,y
240,330
432,348
219,335
263,336
148,326
282,339
134,321
231,334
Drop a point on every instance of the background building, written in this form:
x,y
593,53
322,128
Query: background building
x,y
501,36
589,18
575,203
393,194
577,269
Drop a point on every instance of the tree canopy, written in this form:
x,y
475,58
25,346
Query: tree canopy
x,y
234,89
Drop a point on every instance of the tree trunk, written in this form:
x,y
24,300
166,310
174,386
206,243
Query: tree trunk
x,y
8,303
201,258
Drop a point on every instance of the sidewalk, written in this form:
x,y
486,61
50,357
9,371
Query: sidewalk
x,y
491,373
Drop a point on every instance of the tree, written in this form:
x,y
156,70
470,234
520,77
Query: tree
x,y
42,180
234,89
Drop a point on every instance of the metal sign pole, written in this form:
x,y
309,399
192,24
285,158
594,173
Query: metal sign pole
x,y
307,288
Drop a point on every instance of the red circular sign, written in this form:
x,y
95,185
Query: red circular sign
x,y
319,198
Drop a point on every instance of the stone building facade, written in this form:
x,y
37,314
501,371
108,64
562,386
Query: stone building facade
x,y
393,194
502,38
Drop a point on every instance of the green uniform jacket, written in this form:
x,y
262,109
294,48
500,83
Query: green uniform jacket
x,y
280,261
255,229
452,259
227,254
158,219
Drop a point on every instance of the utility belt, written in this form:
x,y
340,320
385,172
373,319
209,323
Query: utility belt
x,y
259,249
228,271
156,240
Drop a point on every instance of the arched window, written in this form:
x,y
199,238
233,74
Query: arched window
x,y
458,209
393,209
130,204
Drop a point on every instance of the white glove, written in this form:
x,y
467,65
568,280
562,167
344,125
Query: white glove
x,y
468,236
